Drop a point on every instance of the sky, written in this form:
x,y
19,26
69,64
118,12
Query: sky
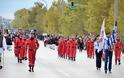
x,y
9,7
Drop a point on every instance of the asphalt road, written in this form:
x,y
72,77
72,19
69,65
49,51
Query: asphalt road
x,y
49,65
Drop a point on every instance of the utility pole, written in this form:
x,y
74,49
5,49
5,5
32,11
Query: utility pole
x,y
60,7
115,12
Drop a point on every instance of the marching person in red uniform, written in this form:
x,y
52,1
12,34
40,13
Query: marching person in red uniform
x,y
73,48
25,48
70,48
63,47
88,47
20,45
60,47
32,46
91,48
118,50
15,45
67,49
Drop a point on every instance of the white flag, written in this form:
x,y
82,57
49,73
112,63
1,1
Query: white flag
x,y
102,35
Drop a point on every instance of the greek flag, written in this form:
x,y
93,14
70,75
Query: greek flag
x,y
114,33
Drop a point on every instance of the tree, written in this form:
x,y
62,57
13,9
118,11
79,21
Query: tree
x,y
22,18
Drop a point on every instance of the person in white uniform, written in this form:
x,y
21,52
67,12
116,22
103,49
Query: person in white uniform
x,y
3,47
98,51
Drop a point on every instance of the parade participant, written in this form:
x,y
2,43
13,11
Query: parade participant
x,y
8,39
98,52
60,47
73,48
123,46
15,45
45,41
87,47
118,49
3,47
25,48
91,48
63,48
108,53
68,48
32,46
80,44
20,45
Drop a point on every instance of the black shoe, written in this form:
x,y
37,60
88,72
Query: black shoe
x,y
105,71
25,58
20,61
119,63
74,59
29,70
1,67
32,68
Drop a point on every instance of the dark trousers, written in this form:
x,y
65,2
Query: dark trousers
x,y
108,60
98,58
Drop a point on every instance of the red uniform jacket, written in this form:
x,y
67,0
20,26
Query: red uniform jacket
x,y
60,47
15,46
118,49
20,46
73,47
25,47
91,48
32,45
68,48
63,47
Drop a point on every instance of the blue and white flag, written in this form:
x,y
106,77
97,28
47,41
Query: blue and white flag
x,y
114,33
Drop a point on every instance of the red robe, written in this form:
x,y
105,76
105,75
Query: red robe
x,y
32,46
73,48
60,47
25,48
63,47
88,47
20,46
15,46
118,50
67,48
91,48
